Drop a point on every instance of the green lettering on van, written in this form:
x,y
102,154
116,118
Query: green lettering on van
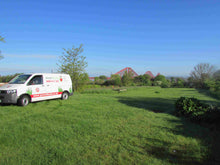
x,y
60,89
70,90
29,91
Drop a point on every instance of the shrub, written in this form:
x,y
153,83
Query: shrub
x,y
199,112
191,108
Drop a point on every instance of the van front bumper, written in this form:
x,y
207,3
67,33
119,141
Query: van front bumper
x,y
8,98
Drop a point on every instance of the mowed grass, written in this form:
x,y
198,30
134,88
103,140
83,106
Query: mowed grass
x,y
105,127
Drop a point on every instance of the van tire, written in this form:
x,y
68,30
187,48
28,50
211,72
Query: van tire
x,y
65,96
24,100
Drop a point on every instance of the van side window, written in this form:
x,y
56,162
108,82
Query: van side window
x,y
36,80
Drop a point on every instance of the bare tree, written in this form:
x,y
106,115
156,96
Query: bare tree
x,y
201,73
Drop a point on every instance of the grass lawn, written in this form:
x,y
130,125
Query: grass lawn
x,y
103,126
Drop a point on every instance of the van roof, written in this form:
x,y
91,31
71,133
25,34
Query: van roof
x,y
48,73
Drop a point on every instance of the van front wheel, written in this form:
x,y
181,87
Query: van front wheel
x,y
24,100
65,96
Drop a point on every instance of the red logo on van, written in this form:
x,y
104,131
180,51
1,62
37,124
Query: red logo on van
x,y
37,89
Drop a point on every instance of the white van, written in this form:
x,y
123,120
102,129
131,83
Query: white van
x,y
27,88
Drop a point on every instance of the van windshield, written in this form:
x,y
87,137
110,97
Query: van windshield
x,y
20,79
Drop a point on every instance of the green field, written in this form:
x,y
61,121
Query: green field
x,y
103,126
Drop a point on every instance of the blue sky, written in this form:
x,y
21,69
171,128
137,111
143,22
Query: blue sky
x,y
166,36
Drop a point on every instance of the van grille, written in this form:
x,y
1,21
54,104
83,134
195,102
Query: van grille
x,y
3,92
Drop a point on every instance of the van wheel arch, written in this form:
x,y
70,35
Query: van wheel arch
x,y
65,95
24,100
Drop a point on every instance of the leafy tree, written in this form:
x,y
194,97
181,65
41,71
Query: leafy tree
x,y
173,81
216,75
143,80
161,80
102,77
100,80
2,40
7,78
74,64
96,80
213,84
201,73
180,82
177,82
189,82
146,76
116,79
127,78
83,80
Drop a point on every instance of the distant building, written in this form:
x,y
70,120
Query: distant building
x,y
128,70
151,75
92,78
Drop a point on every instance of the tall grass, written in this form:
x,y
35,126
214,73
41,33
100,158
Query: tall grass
x,y
131,127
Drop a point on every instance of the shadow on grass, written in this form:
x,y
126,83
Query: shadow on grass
x,y
5,105
157,105
183,127
177,156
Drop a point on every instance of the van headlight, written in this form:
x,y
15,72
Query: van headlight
x,y
11,91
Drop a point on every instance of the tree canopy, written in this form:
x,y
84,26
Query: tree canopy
x,y
74,64
127,78
216,75
160,78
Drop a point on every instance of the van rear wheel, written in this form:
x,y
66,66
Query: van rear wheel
x,y
24,100
65,96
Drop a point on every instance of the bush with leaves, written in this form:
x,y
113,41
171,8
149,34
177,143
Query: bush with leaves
x,y
191,108
197,111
